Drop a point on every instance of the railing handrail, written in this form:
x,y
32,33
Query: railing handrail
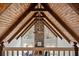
x,y
32,48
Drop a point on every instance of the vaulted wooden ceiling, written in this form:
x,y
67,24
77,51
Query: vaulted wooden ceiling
x,y
61,19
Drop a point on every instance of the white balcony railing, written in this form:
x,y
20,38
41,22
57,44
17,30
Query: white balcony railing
x,y
8,51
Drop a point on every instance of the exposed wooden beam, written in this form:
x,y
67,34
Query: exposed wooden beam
x,y
21,28
51,29
27,28
56,28
61,22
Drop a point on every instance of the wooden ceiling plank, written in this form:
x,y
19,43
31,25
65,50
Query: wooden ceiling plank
x,y
75,7
61,22
5,6
18,21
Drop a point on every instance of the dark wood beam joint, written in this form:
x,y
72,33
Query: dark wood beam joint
x,y
1,48
75,49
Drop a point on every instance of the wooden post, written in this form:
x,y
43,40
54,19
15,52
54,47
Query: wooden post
x,y
1,48
76,49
